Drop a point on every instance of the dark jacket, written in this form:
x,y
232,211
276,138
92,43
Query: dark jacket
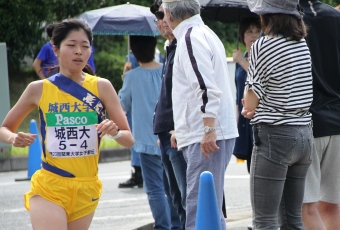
x,y
324,43
163,117
244,142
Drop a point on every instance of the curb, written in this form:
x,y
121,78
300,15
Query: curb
x,y
146,227
236,218
106,155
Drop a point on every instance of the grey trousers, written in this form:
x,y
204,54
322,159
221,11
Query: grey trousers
x,y
197,163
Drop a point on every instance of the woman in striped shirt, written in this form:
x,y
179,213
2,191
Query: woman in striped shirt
x,y
277,98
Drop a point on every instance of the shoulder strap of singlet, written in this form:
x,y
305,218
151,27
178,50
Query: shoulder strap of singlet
x,y
79,92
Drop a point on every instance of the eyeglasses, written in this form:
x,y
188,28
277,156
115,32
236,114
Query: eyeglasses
x,y
159,15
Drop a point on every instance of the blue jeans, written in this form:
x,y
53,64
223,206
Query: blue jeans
x,y
280,161
135,156
175,183
152,170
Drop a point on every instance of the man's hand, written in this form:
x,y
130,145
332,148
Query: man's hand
x,y
208,144
173,139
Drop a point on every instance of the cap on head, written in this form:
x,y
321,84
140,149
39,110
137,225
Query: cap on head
x,y
155,6
261,7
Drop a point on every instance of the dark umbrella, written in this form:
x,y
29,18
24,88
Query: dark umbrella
x,y
225,10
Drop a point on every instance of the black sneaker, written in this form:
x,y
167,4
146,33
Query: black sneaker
x,y
130,183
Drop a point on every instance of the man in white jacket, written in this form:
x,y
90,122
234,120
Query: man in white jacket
x,y
203,106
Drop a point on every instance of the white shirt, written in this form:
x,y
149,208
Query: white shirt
x,y
200,84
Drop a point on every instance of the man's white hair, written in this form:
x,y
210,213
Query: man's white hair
x,y
181,10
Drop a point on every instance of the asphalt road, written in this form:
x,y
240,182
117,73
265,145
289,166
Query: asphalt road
x,y
122,209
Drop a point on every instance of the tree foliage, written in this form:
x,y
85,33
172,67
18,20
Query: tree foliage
x,y
23,22
21,28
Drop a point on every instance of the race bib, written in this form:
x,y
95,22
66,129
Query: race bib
x,y
71,134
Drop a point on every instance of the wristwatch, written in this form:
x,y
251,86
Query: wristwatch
x,y
119,134
208,129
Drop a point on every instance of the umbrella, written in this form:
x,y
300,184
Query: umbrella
x,y
127,19
225,10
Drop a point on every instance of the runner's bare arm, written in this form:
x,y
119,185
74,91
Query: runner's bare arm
x,y
114,109
26,103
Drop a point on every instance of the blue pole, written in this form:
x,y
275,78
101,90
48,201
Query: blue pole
x,y
35,150
208,213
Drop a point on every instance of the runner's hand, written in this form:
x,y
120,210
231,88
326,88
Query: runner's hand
x,y
107,127
23,139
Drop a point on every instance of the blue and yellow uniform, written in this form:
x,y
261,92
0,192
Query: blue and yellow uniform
x,y
71,146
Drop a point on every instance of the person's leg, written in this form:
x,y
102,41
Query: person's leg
x,y
178,182
329,204
299,162
290,209
152,170
330,214
311,217
310,214
219,161
197,163
175,168
136,179
275,150
179,169
174,217
82,223
321,203
45,214
267,179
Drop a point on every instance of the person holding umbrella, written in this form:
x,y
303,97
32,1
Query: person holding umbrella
x,y
249,32
139,94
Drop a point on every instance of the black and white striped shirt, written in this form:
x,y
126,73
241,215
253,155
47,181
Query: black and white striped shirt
x,y
280,75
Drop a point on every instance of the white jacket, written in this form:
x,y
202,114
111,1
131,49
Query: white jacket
x,y
200,84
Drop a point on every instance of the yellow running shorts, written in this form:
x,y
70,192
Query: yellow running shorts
x,y
78,196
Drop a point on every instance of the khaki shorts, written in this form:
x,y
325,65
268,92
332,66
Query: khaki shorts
x,y
323,176
78,196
